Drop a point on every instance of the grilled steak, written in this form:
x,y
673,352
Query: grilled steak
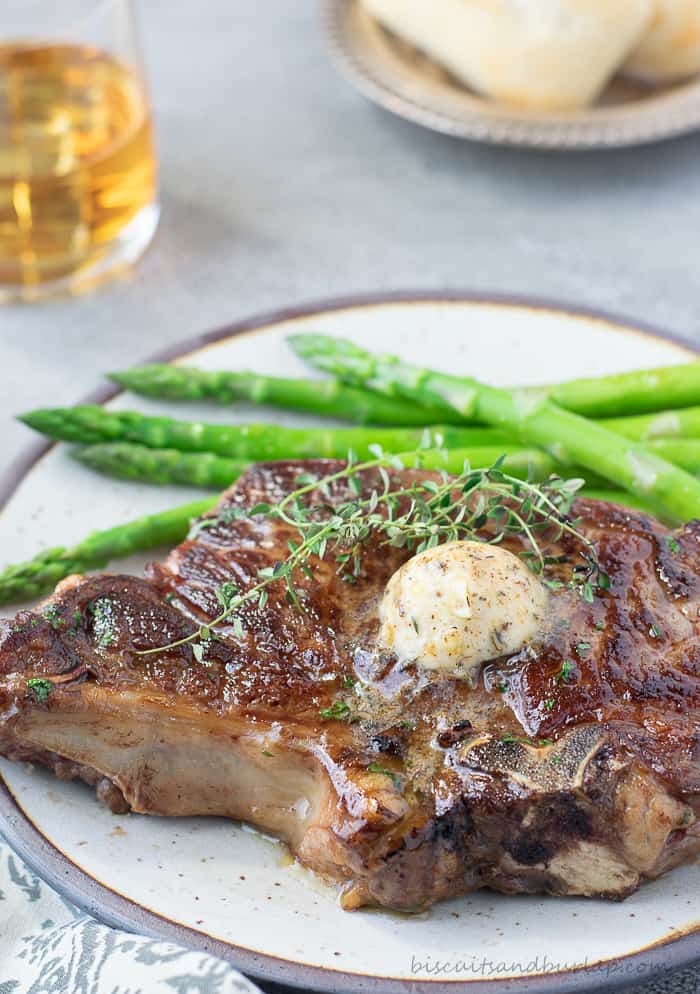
x,y
570,767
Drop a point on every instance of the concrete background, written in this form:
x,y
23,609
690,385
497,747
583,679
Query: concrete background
x,y
280,185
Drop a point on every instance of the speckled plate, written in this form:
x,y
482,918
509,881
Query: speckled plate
x,y
401,79
213,884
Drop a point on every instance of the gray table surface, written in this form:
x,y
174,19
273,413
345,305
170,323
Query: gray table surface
x,y
281,185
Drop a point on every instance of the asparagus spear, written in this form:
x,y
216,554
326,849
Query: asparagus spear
x,y
250,443
531,415
605,396
27,580
618,497
269,442
684,423
684,452
90,425
330,398
201,469
164,466
637,392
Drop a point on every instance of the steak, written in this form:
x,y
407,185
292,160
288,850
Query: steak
x,y
569,767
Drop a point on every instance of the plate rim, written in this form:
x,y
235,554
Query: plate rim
x,y
106,905
562,133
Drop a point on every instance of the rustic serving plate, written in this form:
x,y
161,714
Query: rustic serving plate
x,y
213,884
401,79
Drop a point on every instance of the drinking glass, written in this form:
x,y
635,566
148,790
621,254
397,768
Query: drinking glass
x,y
78,185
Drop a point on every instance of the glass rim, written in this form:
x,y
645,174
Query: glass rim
x,y
75,22
98,7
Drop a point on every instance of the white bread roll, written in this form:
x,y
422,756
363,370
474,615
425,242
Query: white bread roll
x,y
541,54
670,48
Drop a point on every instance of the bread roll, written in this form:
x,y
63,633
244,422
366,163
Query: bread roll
x,y
540,54
670,48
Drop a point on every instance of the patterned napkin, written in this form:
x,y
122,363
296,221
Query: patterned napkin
x,y
48,946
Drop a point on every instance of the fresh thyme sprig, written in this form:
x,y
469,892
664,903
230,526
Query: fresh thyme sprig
x,y
486,505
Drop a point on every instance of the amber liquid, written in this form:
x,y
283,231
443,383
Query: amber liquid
x,y
76,159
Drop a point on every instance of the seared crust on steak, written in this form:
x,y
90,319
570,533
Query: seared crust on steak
x,y
571,767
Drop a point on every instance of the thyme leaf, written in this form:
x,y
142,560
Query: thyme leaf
x,y
416,516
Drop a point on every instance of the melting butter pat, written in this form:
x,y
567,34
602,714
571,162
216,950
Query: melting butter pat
x,y
458,605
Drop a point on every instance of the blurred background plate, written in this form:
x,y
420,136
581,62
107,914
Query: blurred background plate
x,y
401,79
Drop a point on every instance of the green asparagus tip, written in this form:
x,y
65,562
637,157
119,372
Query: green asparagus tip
x,y
33,419
124,378
86,423
306,343
157,380
325,352
309,345
138,375
40,418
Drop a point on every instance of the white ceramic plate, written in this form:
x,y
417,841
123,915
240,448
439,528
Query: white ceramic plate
x,y
401,79
213,884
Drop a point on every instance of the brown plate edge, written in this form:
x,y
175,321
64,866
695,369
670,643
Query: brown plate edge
x,y
104,904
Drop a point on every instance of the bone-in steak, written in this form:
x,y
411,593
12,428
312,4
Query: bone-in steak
x,y
570,767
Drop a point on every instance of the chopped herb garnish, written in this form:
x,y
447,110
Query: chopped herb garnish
x,y
348,681
40,688
102,621
378,768
568,668
266,752
599,626
655,632
549,704
582,648
338,711
502,687
53,617
674,545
